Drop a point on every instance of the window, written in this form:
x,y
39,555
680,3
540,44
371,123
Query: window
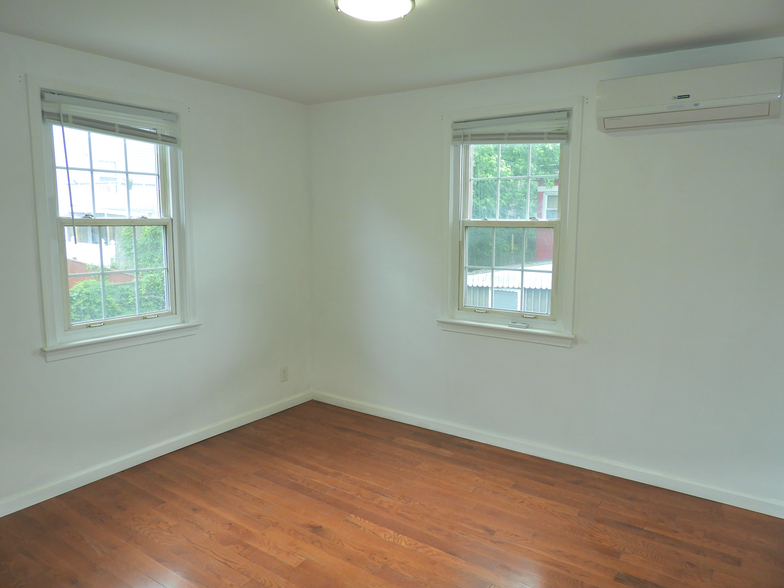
x,y
111,228
513,225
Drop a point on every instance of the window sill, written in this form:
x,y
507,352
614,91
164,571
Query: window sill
x,y
505,332
101,344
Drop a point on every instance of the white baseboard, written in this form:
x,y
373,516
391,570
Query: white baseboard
x,y
73,481
44,492
765,506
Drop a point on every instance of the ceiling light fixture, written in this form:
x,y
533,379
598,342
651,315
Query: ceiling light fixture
x,y
375,10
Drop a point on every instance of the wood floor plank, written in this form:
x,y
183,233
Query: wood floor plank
x,y
322,497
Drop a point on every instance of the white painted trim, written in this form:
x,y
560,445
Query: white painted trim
x,y
507,332
62,342
653,478
562,321
89,475
99,345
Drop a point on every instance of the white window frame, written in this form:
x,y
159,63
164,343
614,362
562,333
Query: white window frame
x,y
62,340
557,329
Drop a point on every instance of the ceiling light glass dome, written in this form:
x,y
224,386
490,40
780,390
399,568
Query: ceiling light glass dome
x,y
375,10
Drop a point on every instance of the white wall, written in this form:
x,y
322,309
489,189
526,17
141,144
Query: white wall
x,y
677,378
246,178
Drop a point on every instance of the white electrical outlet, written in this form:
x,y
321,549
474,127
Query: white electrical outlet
x,y
284,373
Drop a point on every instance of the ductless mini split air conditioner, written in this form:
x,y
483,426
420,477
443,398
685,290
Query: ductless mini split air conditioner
x,y
735,92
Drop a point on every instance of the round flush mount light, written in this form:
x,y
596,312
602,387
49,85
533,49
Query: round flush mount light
x,y
375,10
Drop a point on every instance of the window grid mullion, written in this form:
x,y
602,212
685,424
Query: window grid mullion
x,y
498,186
127,178
492,274
103,277
92,173
161,166
528,193
135,270
169,257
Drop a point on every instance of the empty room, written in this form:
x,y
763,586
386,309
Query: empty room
x,y
335,293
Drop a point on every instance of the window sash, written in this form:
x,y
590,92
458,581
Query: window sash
x,y
167,223
462,276
163,174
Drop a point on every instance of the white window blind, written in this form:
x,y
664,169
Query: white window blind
x,y
130,122
540,127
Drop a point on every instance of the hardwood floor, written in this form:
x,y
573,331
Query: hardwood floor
x,y
322,497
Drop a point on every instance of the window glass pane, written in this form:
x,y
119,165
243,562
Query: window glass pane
x,y
475,293
152,291
84,236
507,298
514,160
538,287
479,246
119,249
537,300
485,161
81,193
509,247
513,199
78,147
108,152
120,291
150,247
86,298
551,205
545,158
484,199
535,200
84,255
111,195
539,249
543,197
143,191
142,157
538,277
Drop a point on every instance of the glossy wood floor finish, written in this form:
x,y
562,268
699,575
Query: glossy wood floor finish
x,y
322,497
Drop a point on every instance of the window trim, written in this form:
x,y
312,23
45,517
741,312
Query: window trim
x,y
61,340
558,330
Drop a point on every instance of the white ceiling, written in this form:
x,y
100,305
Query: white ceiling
x,y
304,50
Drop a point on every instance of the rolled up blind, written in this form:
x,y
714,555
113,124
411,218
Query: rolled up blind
x,y
540,127
130,122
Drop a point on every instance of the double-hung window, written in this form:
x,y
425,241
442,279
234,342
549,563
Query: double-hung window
x,y
513,210
110,223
